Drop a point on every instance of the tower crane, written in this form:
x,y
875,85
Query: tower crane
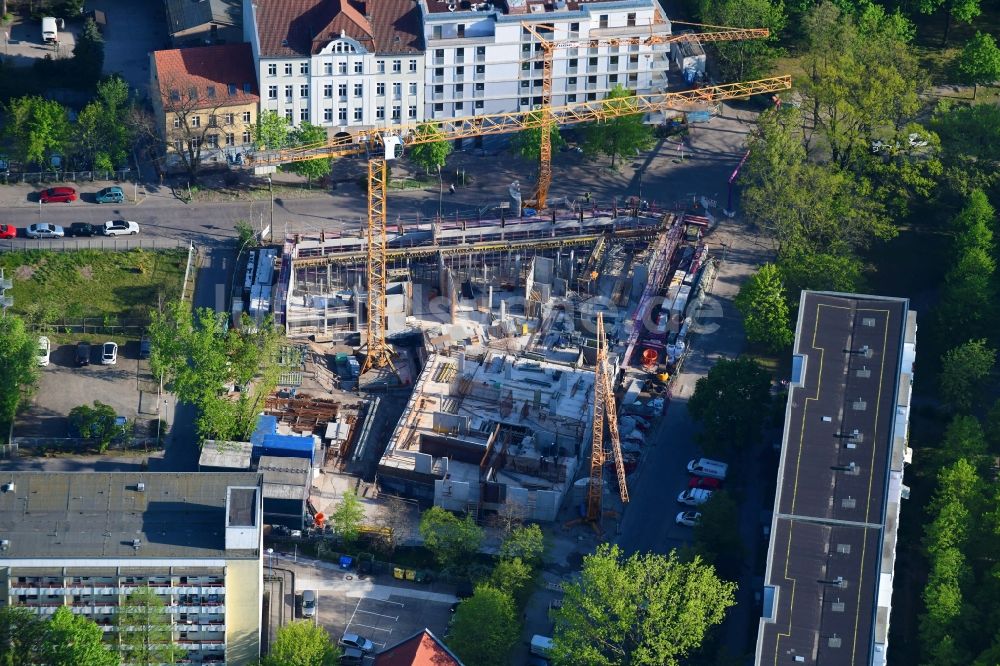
x,y
652,37
385,143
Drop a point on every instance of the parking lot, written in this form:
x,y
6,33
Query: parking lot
x,y
381,609
24,44
62,385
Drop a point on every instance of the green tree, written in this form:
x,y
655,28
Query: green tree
x,y
717,536
144,630
973,225
302,643
97,425
451,539
271,132
963,370
963,439
88,53
309,134
820,271
970,144
748,58
954,10
18,365
646,609
731,402
348,517
511,575
485,627
101,133
431,149
527,144
762,303
979,62
526,542
75,640
622,136
967,299
22,636
36,128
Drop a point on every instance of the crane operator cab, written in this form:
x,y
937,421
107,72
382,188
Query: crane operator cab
x,y
393,146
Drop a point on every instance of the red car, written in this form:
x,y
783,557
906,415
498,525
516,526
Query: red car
x,y
54,194
7,231
705,482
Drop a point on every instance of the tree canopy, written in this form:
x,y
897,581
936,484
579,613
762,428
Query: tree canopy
x,y
746,59
348,517
641,610
432,151
963,370
527,144
302,643
18,365
979,62
36,128
272,131
762,302
485,627
618,137
451,539
64,639
731,403
305,134
145,630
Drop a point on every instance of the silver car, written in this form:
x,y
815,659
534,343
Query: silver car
x,y
44,230
357,642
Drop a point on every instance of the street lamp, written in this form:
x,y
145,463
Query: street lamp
x,y
270,553
270,228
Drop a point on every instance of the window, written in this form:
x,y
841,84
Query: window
x,y
328,115
288,92
633,59
459,106
357,115
213,120
397,66
379,113
380,89
397,112
304,90
438,72
246,137
213,140
272,92
195,121
459,55
438,107
304,113
342,68
359,89
342,90
413,88
459,72
397,90
574,27
630,19
438,55
524,101
480,87
179,147
380,66
591,80
342,114
288,69
177,121
195,143
272,69
438,32
439,90
480,52
479,104
571,81
288,115
572,63
633,78
359,67
571,99
303,68
328,68
613,79
413,65
461,30
603,20
591,96
328,90
230,139
592,62
411,112
246,117
459,90
480,69
613,62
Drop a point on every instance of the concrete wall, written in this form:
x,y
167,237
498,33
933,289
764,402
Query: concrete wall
x,y
244,607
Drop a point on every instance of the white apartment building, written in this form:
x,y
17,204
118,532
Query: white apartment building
x,y
338,64
481,60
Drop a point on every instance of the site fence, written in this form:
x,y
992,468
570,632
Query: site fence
x,y
112,244
76,445
105,325
63,176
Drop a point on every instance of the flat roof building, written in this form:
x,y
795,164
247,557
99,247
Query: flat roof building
x,y
828,584
88,540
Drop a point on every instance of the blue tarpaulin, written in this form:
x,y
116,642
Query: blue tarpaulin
x,y
266,442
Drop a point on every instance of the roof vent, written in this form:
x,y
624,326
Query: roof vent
x,y
8,487
452,6
4,544
136,543
140,487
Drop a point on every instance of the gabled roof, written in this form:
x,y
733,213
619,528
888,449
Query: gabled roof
x,y
212,76
184,14
421,649
304,27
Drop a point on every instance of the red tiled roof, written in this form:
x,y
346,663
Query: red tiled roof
x,y
422,649
304,27
219,76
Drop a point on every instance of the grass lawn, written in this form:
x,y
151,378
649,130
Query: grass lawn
x,y
50,287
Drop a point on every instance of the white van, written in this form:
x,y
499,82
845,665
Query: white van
x,y
541,645
706,467
50,33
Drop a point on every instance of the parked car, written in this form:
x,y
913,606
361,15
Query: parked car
x,y
356,642
120,228
82,229
707,467
82,353
7,231
694,496
113,194
688,518
308,603
57,194
145,347
109,354
704,482
44,230
44,349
